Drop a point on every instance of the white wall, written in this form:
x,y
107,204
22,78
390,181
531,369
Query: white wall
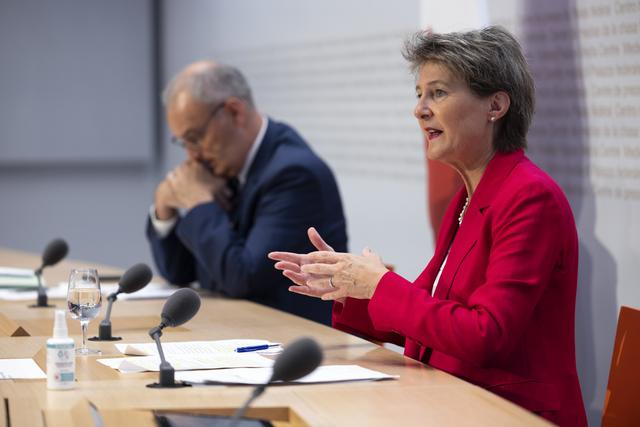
x,y
67,68
333,70
77,129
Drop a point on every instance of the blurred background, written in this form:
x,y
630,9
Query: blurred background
x,y
83,140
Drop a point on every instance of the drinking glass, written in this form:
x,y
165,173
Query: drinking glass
x,y
84,300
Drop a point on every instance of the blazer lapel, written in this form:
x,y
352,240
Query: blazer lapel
x,y
463,242
446,235
496,173
467,235
265,152
260,162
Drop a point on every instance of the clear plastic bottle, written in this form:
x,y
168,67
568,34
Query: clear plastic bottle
x,y
61,356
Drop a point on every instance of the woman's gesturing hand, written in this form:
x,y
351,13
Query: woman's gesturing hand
x,y
328,274
291,265
349,275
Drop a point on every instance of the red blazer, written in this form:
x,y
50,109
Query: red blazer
x,y
503,313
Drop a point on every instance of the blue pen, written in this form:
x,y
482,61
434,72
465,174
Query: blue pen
x,y
255,348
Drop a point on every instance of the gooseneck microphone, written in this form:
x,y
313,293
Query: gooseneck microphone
x,y
298,359
55,251
179,308
134,279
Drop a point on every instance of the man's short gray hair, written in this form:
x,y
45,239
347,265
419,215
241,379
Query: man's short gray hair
x,y
210,85
489,60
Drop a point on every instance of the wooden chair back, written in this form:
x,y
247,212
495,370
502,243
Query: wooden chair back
x,y
622,400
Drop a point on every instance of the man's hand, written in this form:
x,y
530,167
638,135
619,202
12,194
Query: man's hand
x,y
192,184
165,201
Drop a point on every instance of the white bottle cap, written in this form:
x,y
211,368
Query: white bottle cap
x,y
60,325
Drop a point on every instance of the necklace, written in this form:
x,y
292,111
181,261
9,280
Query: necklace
x,y
464,209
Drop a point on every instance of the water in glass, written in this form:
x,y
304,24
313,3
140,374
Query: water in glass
x,y
84,301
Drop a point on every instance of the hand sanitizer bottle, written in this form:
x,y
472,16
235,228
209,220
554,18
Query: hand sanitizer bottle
x,y
61,356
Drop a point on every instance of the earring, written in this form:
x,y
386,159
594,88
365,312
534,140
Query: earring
x,y
493,119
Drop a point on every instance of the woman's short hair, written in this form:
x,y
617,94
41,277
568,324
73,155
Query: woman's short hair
x,y
489,60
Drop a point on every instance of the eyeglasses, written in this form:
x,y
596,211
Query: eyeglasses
x,y
196,143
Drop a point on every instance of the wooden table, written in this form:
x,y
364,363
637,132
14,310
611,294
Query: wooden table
x,y
421,396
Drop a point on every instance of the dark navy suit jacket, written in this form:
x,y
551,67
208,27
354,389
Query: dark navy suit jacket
x,y
288,189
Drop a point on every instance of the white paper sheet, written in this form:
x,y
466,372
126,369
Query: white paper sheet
x,y
187,362
20,295
193,347
151,291
20,369
324,374
18,278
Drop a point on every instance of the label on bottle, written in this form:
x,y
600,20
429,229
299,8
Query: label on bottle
x,y
61,365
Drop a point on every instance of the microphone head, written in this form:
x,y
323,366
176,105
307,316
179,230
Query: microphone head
x,y
180,307
298,359
135,278
55,251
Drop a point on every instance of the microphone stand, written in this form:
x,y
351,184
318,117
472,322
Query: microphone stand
x,y
167,373
42,300
104,330
240,412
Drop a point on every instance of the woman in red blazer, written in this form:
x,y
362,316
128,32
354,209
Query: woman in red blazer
x,y
495,305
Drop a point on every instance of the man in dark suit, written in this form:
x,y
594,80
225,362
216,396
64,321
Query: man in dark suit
x,y
249,185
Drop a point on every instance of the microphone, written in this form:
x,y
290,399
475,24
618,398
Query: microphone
x,y
179,308
55,251
298,359
134,279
